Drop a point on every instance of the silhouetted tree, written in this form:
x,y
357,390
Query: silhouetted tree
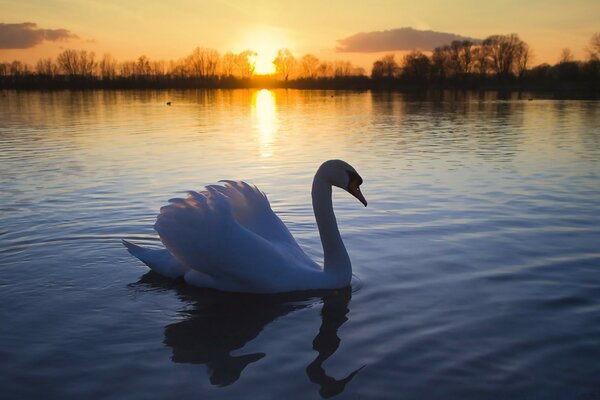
x,y
142,67
461,56
504,52
524,56
246,64
77,63
566,55
127,69
228,63
416,67
18,68
203,62
310,66
439,68
594,47
158,68
178,69
45,67
342,68
385,67
87,64
107,67
325,70
68,62
284,63
482,63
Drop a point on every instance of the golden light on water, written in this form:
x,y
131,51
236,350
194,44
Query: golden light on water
x,y
265,114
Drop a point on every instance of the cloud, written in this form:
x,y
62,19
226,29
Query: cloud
x,y
397,40
26,35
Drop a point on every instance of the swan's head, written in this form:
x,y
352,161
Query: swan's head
x,y
341,174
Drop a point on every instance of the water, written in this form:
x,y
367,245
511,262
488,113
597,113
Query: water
x,y
476,262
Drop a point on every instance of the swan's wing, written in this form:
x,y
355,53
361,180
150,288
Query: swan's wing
x,y
159,260
202,233
251,209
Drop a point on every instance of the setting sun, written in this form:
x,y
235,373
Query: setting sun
x,y
264,63
265,42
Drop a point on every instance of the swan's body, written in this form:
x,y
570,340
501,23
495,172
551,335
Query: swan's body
x,y
228,238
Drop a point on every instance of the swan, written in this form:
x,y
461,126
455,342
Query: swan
x,y
228,238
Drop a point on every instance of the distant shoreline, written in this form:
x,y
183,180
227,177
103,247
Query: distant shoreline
x,y
559,89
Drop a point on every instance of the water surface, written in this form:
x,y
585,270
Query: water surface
x,y
476,262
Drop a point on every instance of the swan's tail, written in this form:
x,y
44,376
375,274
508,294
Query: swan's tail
x,y
159,260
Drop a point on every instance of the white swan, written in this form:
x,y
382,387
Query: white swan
x,y
228,238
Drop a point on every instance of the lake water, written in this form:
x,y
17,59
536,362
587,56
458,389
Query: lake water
x,y
476,263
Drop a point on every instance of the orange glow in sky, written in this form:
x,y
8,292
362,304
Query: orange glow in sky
x,y
164,30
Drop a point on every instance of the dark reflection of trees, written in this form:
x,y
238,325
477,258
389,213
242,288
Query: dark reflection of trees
x,y
219,323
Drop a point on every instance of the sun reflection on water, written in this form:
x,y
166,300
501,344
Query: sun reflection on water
x,y
265,114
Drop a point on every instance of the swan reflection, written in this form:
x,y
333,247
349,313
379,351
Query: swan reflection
x,y
220,323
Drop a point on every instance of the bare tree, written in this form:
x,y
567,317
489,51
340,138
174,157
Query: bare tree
x,y
285,63
158,68
385,67
142,67
46,67
594,47
178,68
68,62
18,68
212,62
108,67
460,55
310,66
87,64
416,66
524,57
228,63
566,55
482,63
246,64
127,69
504,52
203,62
73,62
439,63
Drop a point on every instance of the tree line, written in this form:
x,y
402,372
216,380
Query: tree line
x,y
203,66
496,62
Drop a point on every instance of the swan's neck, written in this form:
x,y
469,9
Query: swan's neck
x,y
337,261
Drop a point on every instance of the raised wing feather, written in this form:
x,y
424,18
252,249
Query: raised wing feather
x,y
251,209
203,234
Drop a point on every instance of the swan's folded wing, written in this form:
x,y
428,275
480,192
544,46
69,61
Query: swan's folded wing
x,y
251,209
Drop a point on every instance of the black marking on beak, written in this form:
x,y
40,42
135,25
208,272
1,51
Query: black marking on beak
x,y
354,186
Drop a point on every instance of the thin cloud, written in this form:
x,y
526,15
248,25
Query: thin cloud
x,y
26,35
397,40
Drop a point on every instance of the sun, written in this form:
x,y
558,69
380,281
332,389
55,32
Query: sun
x,y
265,42
264,62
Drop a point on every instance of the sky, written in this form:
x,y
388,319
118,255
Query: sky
x,y
329,29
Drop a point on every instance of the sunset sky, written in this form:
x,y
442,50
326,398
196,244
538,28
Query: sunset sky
x,y
327,29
